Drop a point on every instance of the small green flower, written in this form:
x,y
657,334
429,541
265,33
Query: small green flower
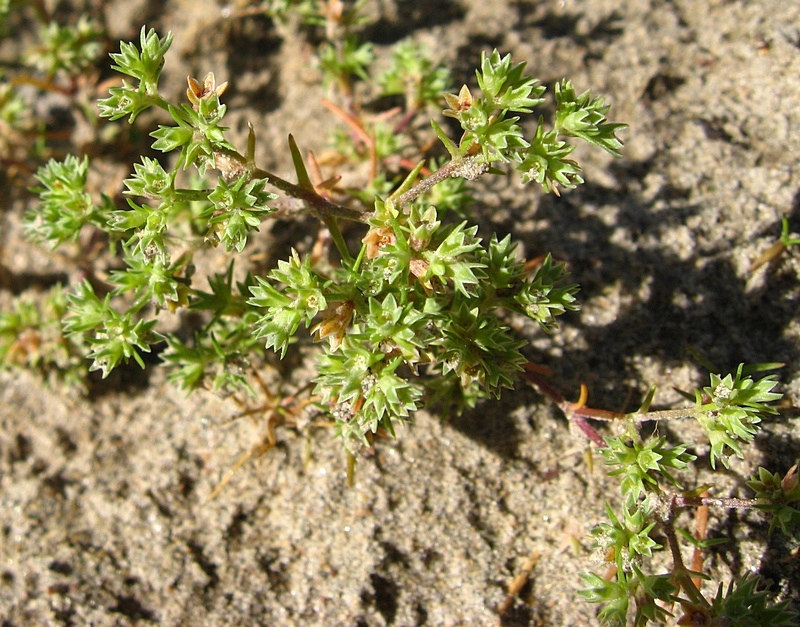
x,y
237,210
66,206
642,464
113,337
731,409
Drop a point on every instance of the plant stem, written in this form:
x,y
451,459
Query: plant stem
x,y
232,165
568,409
316,203
679,571
466,167
710,501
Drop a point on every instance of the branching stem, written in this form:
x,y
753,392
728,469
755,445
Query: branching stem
x,y
237,163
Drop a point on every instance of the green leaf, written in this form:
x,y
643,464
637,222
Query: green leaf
x,y
504,85
742,604
208,358
301,300
144,63
545,162
236,211
453,260
614,595
150,280
731,409
585,117
544,297
113,337
150,180
66,207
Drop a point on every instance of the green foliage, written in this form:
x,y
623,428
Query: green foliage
x,y
68,48
616,596
545,162
630,538
485,120
60,61
642,464
236,210
416,296
414,76
420,298
780,496
545,296
351,59
301,301
786,238
342,56
198,133
413,315
66,206
149,279
744,605
498,137
730,410
32,337
144,64
585,117
112,337
13,108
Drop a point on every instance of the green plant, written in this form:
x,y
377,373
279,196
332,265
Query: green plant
x,y
409,316
70,49
410,308
729,411
61,61
32,336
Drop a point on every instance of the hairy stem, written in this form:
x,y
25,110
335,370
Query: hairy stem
x,y
467,167
232,165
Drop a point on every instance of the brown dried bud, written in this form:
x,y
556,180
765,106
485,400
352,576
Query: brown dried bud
x,y
197,92
459,103
334,323
419,268
789,481
378,238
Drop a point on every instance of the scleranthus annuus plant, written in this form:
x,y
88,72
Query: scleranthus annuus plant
x,y
650,470
411,315
407,310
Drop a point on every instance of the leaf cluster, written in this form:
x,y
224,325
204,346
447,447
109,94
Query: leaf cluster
x,y
421,297
66,207
413,75
780,496
66,48
32,337
730,410
493,130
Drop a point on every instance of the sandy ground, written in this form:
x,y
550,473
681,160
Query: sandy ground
x,y
106,518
